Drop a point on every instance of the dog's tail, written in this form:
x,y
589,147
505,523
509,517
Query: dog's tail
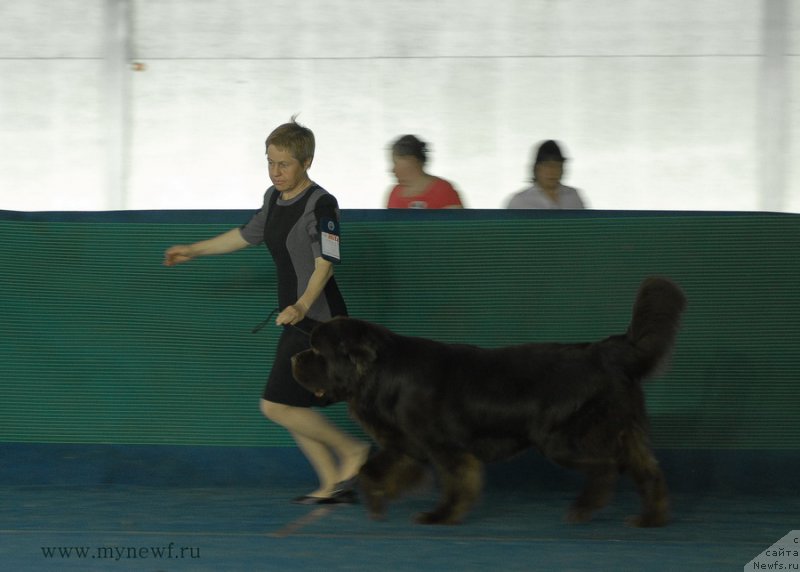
x,y
654,326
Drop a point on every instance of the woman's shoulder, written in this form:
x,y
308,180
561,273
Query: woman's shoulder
x,y
570,192
320,199
318,193
394,199
530,190
443,194
268,194
529,197
439,184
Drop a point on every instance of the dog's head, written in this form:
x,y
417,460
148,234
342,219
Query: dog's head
x,y
342,357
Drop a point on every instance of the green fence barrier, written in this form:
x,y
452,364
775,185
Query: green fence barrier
x,y
102,344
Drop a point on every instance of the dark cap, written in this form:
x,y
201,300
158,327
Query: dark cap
x,y
549,151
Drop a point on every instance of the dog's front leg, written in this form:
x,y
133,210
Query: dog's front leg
x,y
385,476
461,477
371,479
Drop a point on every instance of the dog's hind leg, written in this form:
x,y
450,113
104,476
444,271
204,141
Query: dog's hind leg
x,y
597,492
386,475
643,468
461,479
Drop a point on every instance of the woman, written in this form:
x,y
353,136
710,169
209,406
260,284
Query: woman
x,y
298,222
415,188
547,191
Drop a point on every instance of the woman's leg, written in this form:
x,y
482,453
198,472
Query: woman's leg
x,y
334,455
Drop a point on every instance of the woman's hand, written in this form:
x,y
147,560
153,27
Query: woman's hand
x,y
178,254
291,314
224,243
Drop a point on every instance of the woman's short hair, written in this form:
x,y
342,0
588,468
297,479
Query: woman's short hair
x,y
411,146
297,139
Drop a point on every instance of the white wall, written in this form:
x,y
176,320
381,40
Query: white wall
x,y
51,105
659,104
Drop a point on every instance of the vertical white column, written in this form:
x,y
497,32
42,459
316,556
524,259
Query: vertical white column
x,y
773,103
116,90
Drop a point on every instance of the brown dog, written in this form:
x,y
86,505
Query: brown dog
x,y
457,406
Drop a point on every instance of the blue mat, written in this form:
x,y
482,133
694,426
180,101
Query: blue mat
x,y
99,513
215,529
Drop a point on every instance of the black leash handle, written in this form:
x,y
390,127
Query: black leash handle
x,y
261,324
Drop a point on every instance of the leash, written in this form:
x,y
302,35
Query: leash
x,y
261,324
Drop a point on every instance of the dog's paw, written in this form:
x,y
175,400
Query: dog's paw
x,y
376,507
377,516
647,520
436,517
577,515
429,518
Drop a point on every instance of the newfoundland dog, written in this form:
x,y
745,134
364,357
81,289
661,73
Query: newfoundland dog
x,y
455,406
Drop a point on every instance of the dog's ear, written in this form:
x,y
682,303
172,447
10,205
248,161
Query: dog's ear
x,y
357,343
362,357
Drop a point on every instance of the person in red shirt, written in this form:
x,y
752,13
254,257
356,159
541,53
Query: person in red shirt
x,y
415,188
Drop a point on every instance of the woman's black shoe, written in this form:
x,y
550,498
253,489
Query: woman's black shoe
x,y
345,496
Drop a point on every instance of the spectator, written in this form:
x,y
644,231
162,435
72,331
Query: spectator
x,y
415,188
547,191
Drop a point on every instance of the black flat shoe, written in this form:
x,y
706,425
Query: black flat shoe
x,y
349,484
308,499
347,496
342,496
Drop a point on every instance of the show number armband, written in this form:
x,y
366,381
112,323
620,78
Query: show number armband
x,y
329,239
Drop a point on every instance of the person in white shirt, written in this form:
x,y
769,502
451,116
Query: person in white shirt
x,y
547,191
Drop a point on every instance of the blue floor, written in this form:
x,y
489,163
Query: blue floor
x,y
217,529
206,509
